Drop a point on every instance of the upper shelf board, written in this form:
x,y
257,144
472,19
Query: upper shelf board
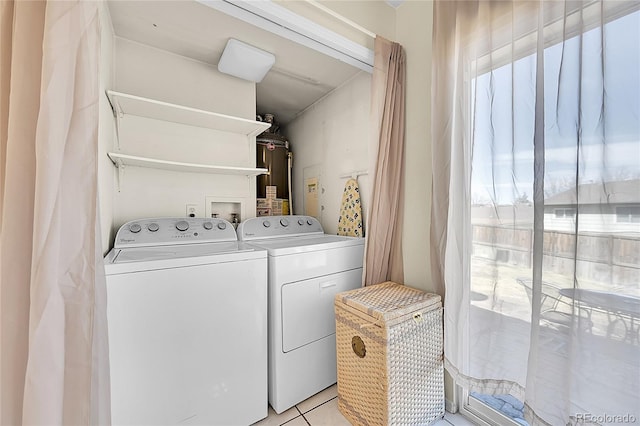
x,y
130,160
123,104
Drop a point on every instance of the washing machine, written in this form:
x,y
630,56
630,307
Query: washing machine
x,y
187,324
307,268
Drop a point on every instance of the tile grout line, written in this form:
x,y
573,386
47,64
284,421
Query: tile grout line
x,y
290,420
302,415
317,406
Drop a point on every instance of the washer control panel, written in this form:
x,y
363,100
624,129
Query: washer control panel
x,y
278,226
169,231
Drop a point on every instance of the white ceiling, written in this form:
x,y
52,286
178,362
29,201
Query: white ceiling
x,y
299,77
394,3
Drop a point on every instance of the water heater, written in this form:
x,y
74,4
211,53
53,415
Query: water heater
x,y
272,153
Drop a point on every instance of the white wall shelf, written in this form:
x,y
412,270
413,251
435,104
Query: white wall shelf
x,y
126,104
123,160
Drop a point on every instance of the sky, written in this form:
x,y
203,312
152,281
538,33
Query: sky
x,y
585,99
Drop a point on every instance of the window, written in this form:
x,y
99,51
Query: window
x,y
565,213
577,102
628,214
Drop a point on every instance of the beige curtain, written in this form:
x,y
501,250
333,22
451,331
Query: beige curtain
x,y
383,252
53,337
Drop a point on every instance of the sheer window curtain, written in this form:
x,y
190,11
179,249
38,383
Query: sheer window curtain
x,y
53,353
536,205
383,252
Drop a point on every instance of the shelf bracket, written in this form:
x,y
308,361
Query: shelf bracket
x,y
121,168
251,183
117,120
118,113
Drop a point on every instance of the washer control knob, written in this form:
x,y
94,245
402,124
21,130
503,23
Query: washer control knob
x,y
135,228
300,222
183,225
284,222
309,222
207,225
222,225
153,227
266,224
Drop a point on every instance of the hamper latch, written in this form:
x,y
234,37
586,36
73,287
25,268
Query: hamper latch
x,y
417,317
358,346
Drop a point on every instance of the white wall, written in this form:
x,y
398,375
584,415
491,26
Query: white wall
x,y
143,192
333,136
153,73
413,32
414,26
106,171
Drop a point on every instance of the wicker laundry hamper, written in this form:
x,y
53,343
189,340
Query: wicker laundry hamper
x,y
390,363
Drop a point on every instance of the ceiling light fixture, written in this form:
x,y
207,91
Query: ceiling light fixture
x,y
245,61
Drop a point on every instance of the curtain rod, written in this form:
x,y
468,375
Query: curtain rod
x,y
342,18
270,16
354,175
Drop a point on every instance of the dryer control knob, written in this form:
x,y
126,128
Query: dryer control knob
x,y
300,222
309,222
153,227
266,224
183,225
222,225
207,225
135,228
284,222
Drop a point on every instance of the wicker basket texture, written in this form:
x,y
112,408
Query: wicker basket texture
x,y
400,379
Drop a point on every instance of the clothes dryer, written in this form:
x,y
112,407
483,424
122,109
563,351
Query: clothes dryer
x,y
307,268
187,328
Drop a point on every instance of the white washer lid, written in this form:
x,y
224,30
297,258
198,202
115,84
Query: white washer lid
x,y
142,254
138,259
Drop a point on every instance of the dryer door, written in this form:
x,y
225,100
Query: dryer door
x,y
307,307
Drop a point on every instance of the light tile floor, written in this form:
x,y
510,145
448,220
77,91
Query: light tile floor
x,y
322,410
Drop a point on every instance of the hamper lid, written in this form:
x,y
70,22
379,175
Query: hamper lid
x,y
389,300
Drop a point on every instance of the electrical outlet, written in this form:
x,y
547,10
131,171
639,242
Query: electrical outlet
x,y
192,210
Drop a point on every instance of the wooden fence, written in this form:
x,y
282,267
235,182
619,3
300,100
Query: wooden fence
x,y
597,256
